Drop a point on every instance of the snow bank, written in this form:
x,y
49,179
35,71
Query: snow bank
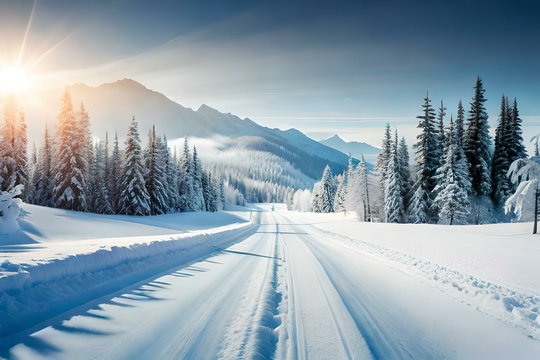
x,y
67,276
493,268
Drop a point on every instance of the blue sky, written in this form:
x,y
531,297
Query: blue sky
x,y
320,66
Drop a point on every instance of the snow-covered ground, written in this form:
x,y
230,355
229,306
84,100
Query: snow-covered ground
x,y
294,285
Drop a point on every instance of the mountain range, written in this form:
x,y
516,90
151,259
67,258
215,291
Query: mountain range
x,y
111,107
354,148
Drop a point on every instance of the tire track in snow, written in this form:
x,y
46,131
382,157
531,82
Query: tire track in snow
x,y
253,334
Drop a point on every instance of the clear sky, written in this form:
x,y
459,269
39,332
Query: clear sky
x,y
323,67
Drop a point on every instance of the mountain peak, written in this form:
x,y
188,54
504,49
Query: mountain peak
x,y
334,137
205,109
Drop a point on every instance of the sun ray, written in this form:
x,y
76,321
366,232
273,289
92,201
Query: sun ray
x,y
26,34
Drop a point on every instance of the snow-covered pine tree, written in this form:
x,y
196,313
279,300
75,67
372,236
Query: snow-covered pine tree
x,y
316,198
13,148
405,172
516,146
341,193
460,124
155,174
364,186
114,179
477,143
393,192
222,199
452,200
171,173
43,188
98,199
327,192
441,141
197,172
384,156
426,165
70,162
107,169
185,180
134,198
500,189
32,176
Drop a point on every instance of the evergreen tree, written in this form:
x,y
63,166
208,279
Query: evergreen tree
x,y
477,144
460,124
384,156
364,186
427,163
393,192
71,166
451,201
171,171
516,146
327,192
441,141
500,161
98,198
185,180
13,148
197,173
114,179
33,176
134,198
341,193
405,172
155,174
43,188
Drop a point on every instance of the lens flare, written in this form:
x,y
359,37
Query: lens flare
x,y
14,80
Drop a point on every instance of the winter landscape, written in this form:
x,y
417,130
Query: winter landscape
x,y
377,197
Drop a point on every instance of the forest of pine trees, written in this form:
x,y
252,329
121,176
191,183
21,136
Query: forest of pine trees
x,y
72,171
460,175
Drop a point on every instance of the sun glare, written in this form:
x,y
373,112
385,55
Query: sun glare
x,y
14,80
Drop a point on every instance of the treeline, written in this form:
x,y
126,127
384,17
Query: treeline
x,y
460,174
71,171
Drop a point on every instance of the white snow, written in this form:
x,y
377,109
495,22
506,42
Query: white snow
x,y
296,285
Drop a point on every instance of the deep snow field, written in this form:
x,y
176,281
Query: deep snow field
x,y
257,283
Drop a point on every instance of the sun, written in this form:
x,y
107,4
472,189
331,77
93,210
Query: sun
x,y
14,80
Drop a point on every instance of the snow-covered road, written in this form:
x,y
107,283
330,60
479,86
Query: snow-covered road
x,y
286,291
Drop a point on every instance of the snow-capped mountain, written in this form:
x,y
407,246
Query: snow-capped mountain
x,y
355,148
112,105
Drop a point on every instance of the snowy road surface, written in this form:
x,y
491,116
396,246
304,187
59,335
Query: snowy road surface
x,y
286,291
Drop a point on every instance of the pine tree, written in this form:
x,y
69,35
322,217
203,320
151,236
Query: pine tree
x,y
70,162
327,192
98,198
33,176
500,161
114,180
185,180
460,124
441,141
134,198
171,172
384,156
393,192
155,174
107,169
451,203
197,173
477,144
364,186
13,148
43,189
341,193
427,163
405,172
516,146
